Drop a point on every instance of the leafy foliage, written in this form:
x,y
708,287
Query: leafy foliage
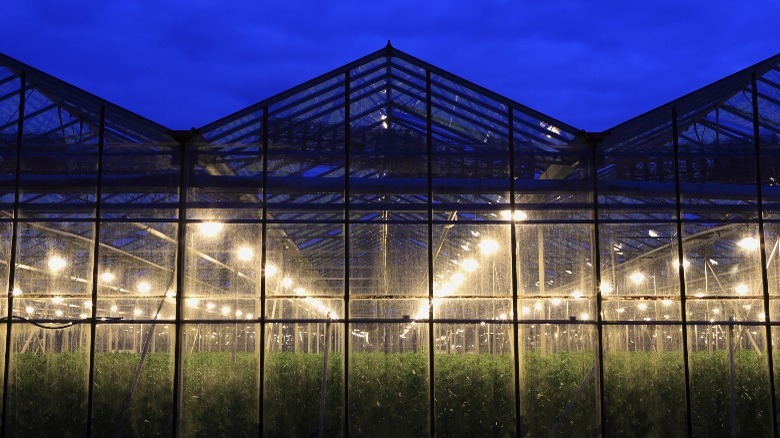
x,y
388,394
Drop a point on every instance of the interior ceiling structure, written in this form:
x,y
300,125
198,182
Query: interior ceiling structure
x,y
383,98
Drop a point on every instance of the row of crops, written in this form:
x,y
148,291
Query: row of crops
x,y
388,394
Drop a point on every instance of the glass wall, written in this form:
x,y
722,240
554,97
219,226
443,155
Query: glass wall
x,y
389,250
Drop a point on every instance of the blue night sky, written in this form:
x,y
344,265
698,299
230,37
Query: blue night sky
x,y
590,64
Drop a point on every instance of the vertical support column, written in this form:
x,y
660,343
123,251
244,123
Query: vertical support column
x,y
597,280
263,258
95,261
681,273
347,140
513,246
12,257
431,344
762,247
184,183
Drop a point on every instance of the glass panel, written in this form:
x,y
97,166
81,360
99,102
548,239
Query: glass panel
x,y
124,353
388,383
48,381
636,179
474,380
58,160
553,177
639,271
772,245
140,180
472,260
718,162
54,270
388,260
220,389
723,279
470,146
555,267
769,136
136,273
307,259
223,270
5,254
644,381
306,153
9,114
558,393
304,384
226,181
388,152
729,380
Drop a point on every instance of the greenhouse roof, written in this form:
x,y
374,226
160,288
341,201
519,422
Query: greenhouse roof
x,y
55,108
392,81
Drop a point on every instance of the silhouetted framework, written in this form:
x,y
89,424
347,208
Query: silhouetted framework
x,y
389,250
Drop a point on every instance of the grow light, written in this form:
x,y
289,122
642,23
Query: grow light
x,y
56,263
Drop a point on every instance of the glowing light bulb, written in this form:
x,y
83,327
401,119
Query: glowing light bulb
x,y
114,308
555,301
170,294
576,295
107,277
716,311
239,313
250,316
225,310
58,312
56,263
210,306
584,316
17,291
749,243
245,253
57,300
299,291
637,277
667,302
469,265
287,282
762,315
742,289
605,287
526,310
270,270
518,215
538,305
488,246
144,287
137,312
641,307
88,304
652,233
192,302
30,310
83,315
210,229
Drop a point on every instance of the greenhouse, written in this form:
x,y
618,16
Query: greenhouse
x,y
389,250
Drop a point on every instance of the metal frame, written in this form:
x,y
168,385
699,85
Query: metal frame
x,y
416,103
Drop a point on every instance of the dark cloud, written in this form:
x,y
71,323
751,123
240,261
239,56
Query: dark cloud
x,y
590,64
